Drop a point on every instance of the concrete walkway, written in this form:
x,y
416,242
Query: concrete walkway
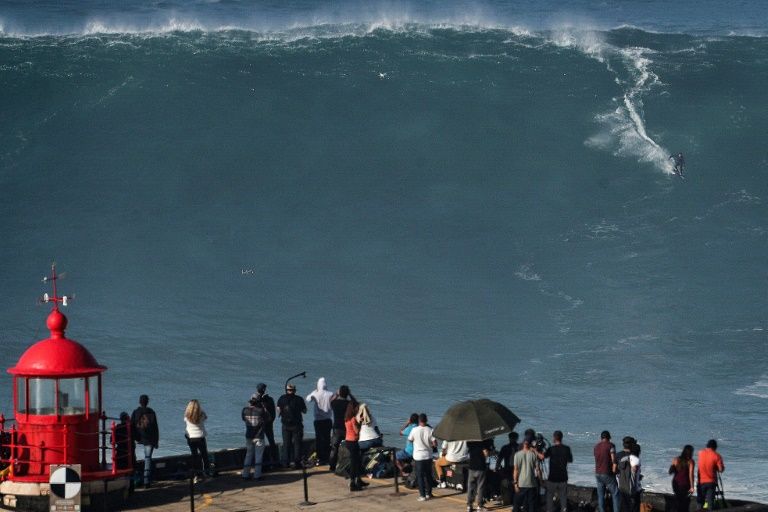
x,y
284,490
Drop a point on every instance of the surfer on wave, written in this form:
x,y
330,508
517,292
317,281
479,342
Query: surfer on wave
x,y
679,163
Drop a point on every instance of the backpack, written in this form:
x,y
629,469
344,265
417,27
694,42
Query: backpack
x,y
143,423
626,478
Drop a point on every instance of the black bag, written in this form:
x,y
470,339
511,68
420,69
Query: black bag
x,y
342,463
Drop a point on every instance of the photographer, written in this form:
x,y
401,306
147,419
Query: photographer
x,y
524,477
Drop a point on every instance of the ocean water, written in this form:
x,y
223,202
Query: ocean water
x,y
428,202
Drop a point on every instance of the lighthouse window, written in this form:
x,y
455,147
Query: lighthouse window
x,y
71,396
42,396
93,393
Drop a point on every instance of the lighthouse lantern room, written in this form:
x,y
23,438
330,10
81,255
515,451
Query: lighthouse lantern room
x,y
58,418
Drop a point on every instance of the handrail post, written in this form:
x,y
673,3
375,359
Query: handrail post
x,y
114,450
396,471
192,491
103,418
66,444
306,501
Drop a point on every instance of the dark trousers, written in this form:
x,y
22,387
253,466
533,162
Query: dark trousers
x,y
476,486
323,439
630,501
424,476
526,496
682,498
336,439
199,449
292,439
708,493
355,460
274,454
561,490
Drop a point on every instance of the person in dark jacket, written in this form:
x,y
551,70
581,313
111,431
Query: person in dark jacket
x,y
256,418
291,409
146,433
269,406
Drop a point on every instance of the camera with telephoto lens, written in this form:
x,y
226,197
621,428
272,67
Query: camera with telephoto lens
x,y
540,444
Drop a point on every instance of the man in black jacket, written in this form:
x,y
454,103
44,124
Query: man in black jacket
x,y
291,408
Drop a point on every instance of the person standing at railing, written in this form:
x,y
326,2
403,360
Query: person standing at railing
x,y
194,419
145,432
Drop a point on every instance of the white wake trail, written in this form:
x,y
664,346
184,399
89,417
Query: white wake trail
x,y
623,129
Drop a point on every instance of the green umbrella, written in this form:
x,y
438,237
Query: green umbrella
x,y
475,420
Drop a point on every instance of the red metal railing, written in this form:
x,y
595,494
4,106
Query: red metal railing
x,y
18,456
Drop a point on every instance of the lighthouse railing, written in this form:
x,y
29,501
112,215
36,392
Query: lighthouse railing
x,y
28,461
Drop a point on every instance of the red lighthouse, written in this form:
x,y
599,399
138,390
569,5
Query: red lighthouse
x,y
59,420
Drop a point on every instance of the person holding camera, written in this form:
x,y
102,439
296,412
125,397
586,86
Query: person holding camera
x,y
525,476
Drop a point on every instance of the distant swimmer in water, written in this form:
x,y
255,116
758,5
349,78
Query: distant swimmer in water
x,y
679,163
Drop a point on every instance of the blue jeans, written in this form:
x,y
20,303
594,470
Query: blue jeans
x,y
148,451
371,443
254,454
606,481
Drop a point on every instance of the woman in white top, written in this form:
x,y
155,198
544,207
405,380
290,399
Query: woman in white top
x,y
370,435
194,418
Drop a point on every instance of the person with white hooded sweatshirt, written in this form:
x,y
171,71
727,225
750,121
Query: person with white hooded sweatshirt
x,y
320,399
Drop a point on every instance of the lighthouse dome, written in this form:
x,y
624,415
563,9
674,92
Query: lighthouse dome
x,y
57,356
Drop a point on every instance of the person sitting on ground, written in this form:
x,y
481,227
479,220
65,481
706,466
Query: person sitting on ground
x,y
370,435
405,456
451,452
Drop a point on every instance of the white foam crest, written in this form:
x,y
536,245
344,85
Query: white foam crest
x,y
759,389
97,26
589,42
526,273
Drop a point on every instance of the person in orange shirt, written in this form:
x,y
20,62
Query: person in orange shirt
x,y
710,464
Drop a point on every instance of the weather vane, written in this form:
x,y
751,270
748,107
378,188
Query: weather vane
x,y
55,298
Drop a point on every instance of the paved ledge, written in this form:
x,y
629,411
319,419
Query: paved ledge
x,y
283,491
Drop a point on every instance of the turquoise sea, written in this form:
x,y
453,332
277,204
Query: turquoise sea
x,y
426,201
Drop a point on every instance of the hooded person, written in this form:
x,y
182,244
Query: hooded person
x,y
320,400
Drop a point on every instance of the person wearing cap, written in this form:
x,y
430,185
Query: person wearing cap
x,y
605,472
269,406
290,409
320,399
255,417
